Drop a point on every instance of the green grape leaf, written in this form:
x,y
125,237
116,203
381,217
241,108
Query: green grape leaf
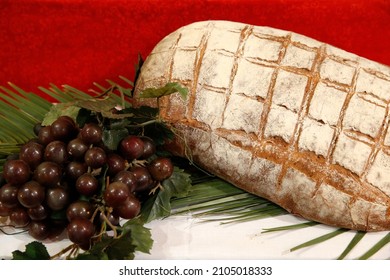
x,y
60,109
110,248
168,89
159,205
134,236
142,237
34,251
112,137
97,105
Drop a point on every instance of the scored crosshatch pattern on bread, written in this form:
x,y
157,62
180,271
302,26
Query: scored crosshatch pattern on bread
x,y
286,117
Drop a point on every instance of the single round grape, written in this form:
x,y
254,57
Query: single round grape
x,y
32,154
144,180
31,194
56,152
80,230
4,210
131,147
63,128
115,194
79,209
57,198
67,118
45,136
38,213
57,228
95,157
91,133
149,147
128,178
37,127
75,169
129,209
76,149
19,217
87,184
16,171
48,173
115,164
39,230
161,168
9,195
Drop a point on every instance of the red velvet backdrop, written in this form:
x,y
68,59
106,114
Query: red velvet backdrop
x,y
78,42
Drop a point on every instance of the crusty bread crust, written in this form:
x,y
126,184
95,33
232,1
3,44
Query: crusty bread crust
x,y
283,116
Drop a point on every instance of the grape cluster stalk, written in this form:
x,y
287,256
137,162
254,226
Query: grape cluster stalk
x,y
67,179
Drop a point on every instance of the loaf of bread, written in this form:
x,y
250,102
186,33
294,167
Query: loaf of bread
x,y
290,119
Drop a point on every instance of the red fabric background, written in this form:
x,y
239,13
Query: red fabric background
x,y
78,42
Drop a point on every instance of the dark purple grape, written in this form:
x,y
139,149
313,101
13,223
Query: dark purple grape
x,y
115,164
57,198
57,228
31,194
4,210
129,209
95,157
161,168
38,213
128,178
115,194
32,154
37,127
79,209
131,147
56,152
87,184
80,230
76,149
91,133
143,178
45,136
16,171
19,217
39,230
9,195
149,147
75,169
48,173
64,128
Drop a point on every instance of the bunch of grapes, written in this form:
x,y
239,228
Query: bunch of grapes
x,y
66,178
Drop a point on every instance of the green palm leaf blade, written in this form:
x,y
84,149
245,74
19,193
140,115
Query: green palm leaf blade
x,y
24,102
355,240
320,239
216,197
290,227
376,247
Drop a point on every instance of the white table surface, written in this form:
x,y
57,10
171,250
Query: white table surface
x,y
185,237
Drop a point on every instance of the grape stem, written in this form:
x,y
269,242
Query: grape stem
x,y
72,248
142,124
110,225
158,186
